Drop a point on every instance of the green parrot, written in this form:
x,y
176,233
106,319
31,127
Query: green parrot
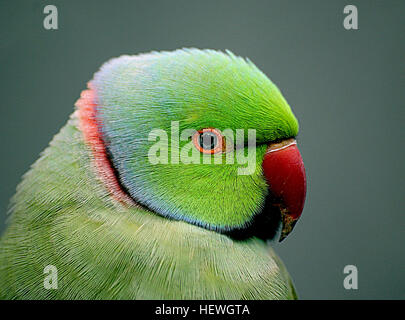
x,y
167,182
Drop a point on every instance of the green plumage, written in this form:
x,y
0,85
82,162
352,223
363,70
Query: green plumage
x,y
63,215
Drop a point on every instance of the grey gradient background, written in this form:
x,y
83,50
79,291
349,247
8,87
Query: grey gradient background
x,y
345,87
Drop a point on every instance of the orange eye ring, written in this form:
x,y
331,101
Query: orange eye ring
x,y
217,141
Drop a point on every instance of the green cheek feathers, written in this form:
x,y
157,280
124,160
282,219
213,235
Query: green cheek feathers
x,y
197,89
214,196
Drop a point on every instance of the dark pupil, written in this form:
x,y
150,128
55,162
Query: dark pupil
x,y
208,140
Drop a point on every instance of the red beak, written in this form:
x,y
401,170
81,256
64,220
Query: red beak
x,y
285,173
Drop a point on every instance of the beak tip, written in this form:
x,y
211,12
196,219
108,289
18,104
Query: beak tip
x,y
282,237
288,225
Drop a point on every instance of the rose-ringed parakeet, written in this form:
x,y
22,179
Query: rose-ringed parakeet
x,y
121,214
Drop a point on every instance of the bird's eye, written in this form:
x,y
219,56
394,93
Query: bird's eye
x,y
208,140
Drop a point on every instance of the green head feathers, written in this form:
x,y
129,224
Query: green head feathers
x,y
142,98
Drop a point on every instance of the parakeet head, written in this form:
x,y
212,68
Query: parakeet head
x,y
199,136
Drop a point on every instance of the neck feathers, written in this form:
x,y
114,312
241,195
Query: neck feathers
x,y
90,127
